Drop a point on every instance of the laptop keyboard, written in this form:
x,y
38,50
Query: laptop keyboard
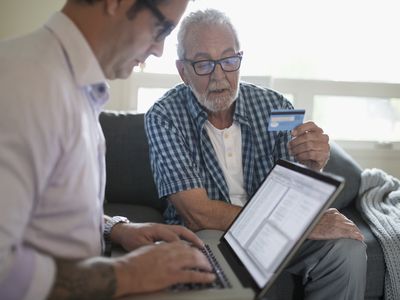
x,y
221,282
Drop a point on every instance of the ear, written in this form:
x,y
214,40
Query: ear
x,y
181,69
112,6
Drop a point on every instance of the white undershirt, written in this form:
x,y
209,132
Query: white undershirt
x,y
227,145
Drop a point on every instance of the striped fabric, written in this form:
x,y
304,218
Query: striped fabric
x,y
182,156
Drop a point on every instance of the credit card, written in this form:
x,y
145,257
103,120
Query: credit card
x,y
285,119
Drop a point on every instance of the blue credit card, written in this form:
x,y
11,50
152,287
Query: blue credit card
x,y
285,119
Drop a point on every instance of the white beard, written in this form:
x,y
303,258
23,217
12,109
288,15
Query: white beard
x,y
218,103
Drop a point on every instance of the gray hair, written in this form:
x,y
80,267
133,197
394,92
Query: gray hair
x,y
200,17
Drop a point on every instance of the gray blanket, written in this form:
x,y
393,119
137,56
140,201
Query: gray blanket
x,y
379,203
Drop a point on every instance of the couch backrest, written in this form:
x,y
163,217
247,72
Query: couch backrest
x,y
129,176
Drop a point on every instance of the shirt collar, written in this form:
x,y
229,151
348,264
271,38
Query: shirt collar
x,y
198,113
84,65
240,114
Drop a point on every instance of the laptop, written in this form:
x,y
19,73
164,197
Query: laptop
x,y
254,250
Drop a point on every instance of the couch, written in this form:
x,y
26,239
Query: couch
x,y
130,192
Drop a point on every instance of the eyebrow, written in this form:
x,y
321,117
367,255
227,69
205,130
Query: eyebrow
x,y
206,56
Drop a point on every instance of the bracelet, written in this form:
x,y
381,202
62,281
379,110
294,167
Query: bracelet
x,y
109,224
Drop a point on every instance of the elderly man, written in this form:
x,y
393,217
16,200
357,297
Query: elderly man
x,y
210,149
53,85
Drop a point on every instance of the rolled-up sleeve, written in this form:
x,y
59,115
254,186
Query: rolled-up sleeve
x,y
173,168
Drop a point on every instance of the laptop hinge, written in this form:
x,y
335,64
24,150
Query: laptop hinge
x,y
236,265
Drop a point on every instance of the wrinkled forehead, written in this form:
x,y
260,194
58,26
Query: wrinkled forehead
x,y
211,39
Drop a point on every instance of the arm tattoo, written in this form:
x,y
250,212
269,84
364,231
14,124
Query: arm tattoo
x,y
88,279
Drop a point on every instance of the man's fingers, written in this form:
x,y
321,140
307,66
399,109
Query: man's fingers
x,y
185,256
310,155
192,276
168,235
193,266
357,236
306,127
310,146
352,233
334,225
187,235
156,267
304,144
193,258
173,233
317,144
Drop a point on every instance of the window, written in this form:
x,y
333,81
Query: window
x,y
359,119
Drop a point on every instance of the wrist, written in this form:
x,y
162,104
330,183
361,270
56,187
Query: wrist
x,y
111,227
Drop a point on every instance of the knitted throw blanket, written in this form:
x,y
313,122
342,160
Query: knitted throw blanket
x,y
380,207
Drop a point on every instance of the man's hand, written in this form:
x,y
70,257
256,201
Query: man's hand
x,y
310,146
155,267
334,225
147,269
133,235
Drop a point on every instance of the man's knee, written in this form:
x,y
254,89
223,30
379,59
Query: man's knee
x,y
340,272
350,256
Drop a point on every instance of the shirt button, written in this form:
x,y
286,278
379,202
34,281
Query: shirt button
x,y
230,154
226,135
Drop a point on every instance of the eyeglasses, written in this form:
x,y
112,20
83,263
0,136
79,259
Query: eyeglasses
x,y
165,26
206,67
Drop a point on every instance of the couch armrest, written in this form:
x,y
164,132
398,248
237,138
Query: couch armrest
x,y
342,164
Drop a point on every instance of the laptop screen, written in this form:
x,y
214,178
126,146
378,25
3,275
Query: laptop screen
x,y
277,216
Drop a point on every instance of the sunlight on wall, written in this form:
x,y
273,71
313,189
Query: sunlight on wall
x,y
335,40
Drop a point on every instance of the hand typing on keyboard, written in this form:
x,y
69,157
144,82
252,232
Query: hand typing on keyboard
x,y
220,281
133,235
156,267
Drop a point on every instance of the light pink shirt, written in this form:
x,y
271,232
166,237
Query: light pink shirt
x,y
52,173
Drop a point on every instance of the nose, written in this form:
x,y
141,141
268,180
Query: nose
x,y
218,72
157,48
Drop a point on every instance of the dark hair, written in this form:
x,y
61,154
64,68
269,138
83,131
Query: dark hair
x,y
87,1
139,5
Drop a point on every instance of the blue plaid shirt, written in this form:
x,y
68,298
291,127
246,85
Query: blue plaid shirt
x,y
182,156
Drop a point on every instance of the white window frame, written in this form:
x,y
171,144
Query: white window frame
x,y
303,91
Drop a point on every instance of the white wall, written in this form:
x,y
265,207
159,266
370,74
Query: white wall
x,y
19,17
22,16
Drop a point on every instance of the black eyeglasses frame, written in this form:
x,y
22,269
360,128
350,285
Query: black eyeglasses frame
x,y
215,62
166,25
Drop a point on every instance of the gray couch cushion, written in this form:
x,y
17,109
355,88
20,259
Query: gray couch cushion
x,y
342,164
129,176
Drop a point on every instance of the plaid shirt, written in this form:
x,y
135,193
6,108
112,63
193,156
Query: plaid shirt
x,y
182,156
